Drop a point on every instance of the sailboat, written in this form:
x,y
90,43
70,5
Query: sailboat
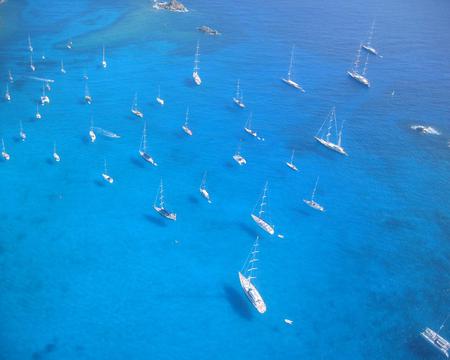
x,y
22,134
44,98
92,135
32,67
106,176
159,99
246,277
104,64
290,163
185,126
195,74
324,138
38,114
203,190
10,77
312,203
47,86
238,157
159,208
69,44
30,47
239,98
248,128
7,94
134,108
258,217
354,72
62,67
368,47
289,80
143,147
439,342
87,95
56,156
5,155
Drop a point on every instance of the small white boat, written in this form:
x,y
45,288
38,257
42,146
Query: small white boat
x,y
258,218
134,108
85,76
289,80
7,94
30,47
69,44
92,135
313,204
435,339
38,114
62,67
195,73
159,99
22,134
185,126
32,67
44,98
288,321
246,277
248,128
104,64
56,156
238,157
10,77
368,47
47,86
238,99
290,163
143,147
5,155
323,135
203,190
106,176
87,95
354,72
428,130
159,207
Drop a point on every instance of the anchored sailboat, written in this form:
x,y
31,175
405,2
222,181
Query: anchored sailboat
x,y
143,147
104,64
203,190
105,174
238,157
30,47
7,94
159,99
38,114
159,208
56,156
44,98
92,135
312,203
22,134
246,277
289,80
5,155
439,342
239,97
69,44
248,128
87,94
195,74
323,135
62,67
258,218
134,108
354,72
10,77
32,67
185,126
290,163
368,47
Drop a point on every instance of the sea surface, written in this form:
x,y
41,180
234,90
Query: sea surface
x,y
89,270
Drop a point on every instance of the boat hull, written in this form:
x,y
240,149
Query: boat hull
x,y
293,84
164,213
252,294
437,341
197,79
292,166
147,158
331,146
316,206
359,78
263,225
239,159
370,49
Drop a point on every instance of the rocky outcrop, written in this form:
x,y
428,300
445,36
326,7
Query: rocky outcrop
x,y
171,5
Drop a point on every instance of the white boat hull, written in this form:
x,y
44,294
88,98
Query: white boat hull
x,y
437,341
197,79
205,194
239,159
292,166
56,157
293,84
263,225
359,78
137,113
164,213
239,103
108,178
147,158
339,149
370,49
252,294
5,155
187,130
160,101
314,205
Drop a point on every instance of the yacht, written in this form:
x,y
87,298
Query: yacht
x,y
185,126
290,163
44,98
104,64
258,217
437,341
22,134
238,99
195,74
38,114
10,77
62,67
238,157
87,95
69,44
56,156
32,67
7,94
143,148
30,47
323,135
92,135
312,203
5,155
203,190
289,80
354,72
106,176
368,46
134,108
159,99
158,205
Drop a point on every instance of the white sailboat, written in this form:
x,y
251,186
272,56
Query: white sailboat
x,y
247,276
7,94
87,94
143,148
195,74
104,64
22,134
203,190
159,99
368,46
238,157
289,80
290,163
258,217
105,174
5,155
38,114
10,77
158,205
32,67
47,86
354,72
248,128
62,67
92,135
69,44
312,203
239,97
185,126
56,156
438,342
30,47
134,108
44,98
323,135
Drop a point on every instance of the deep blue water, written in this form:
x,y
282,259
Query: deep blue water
x,y
90,271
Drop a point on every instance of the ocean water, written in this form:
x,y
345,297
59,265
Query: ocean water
x,y
89,271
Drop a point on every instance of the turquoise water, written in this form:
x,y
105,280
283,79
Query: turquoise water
x,y
90,271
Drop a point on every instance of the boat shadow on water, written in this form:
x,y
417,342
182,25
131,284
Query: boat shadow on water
x,y
193,200
100,183
421,349
248,229
137,162
238,302
156,220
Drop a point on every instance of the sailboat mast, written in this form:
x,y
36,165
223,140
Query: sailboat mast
x,y
369,40
314,191
144,137
196,61
251,267
263,200
358,56
291,63
340,134
330,124
365,64
203,183
238,89
161,196
292,156
187,117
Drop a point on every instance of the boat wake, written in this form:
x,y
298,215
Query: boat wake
x,y
107,133
425,129
41,79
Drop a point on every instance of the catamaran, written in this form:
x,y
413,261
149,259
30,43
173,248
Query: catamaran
x,y
258,218
195,74
354,72
92,135
87,95
246,277
32,67
439,342
159,99
238,157
239,97
289,80
10,77
290,163
62,67
104,64
44,98
38,114
143,147
30,47
22,134
368,47
134,108
105,174
56,156
7,94
203,190
323,135
5,155
159,208
312,203
185,126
